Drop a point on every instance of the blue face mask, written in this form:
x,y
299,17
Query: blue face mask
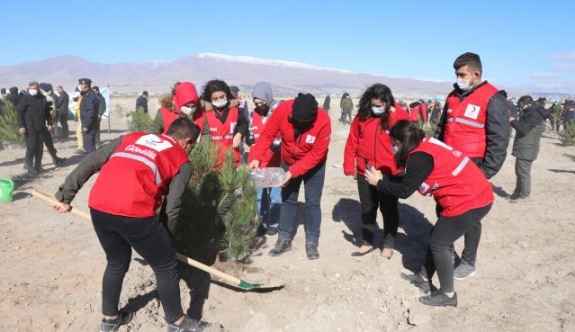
x,y
394,148
377,110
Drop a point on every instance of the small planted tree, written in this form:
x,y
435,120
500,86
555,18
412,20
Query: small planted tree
x,y
556,117
218,209
568,135
9,125
138,120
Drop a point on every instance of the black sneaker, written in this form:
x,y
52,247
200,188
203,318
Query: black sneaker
x,y
280,247
420,281
188,325
271,231
113,325
311,250
463,271
261,231
58,161
439,299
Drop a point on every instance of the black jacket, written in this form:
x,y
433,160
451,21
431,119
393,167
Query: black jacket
x,y
63,102
34,113
497,130
101,104
89,109
143,103
529,128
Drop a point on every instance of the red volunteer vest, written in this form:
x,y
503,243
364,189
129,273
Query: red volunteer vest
x,y
419,113
223,133
133,181
169,117
465,127
270,158
456,183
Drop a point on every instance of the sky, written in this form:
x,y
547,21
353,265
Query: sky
x,y
521,43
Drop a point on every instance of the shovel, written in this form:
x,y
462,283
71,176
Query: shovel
x,y
231,280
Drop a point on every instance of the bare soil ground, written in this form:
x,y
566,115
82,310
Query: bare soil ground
x,y
51,264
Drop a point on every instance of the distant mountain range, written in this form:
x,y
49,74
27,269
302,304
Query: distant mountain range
x,y
286,78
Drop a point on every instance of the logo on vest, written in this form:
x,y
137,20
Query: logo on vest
x,y
310,139
146,152
472,111
154,142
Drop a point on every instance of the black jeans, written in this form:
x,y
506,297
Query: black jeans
x,y
47,138
443,234
370,199
118,235
313,181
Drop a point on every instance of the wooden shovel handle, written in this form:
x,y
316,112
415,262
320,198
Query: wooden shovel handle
x,y
231,279
53,201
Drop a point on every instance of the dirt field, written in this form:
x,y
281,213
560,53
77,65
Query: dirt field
x,y
51,264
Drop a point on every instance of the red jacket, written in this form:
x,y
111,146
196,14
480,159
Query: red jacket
x,y
301,153
368,143
419,113
456,183
270,158
133,181
465,127
185,93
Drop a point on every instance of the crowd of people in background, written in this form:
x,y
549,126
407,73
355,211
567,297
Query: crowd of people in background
x,y
387,152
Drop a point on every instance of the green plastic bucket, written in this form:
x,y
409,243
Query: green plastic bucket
x,y
6,188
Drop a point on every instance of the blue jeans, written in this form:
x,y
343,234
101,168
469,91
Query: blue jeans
x,y
269,202
313,181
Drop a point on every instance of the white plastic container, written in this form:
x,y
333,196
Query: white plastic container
x,y
268,177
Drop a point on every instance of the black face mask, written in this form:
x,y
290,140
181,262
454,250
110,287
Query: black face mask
x,y
264,108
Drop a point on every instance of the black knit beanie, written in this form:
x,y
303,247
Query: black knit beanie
x,y
304,107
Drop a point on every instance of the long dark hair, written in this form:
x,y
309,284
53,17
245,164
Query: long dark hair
x,y
380,92
409,137
216,85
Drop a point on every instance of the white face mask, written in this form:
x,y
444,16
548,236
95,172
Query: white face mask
x,y
32,92
80,88
394,148
377,110
188,110
220,103
463,84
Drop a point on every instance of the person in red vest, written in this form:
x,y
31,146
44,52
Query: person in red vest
x,y
222,119
268,199
136,170
458,187
369,145
182,102
475,121
418,111
305,130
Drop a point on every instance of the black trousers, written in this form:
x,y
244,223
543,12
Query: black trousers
x,y
118,235
446,231
371,200
34,149
47,138
63,119
89,140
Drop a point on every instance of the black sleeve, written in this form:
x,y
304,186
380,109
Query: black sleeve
x,y
529,121
21,109
175,192
441,125
419,166
91,164
243,124
497,132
